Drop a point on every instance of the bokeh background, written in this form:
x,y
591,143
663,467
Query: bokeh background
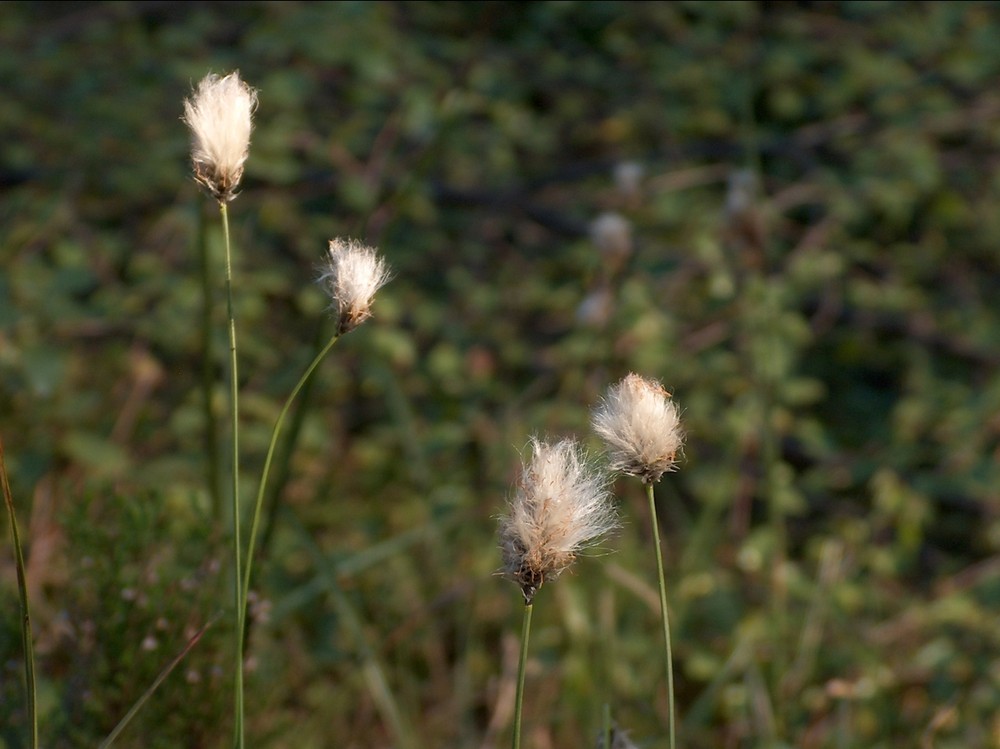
x,y
786,212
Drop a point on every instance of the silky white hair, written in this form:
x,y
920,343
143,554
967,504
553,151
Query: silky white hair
x,y
641,427
220,115
560,506
352,274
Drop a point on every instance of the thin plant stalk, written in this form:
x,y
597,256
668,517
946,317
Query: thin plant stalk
x,y
22,590
255,522
116,731
207,379
521,666
779,537
234,411
283,459
664,616
606,725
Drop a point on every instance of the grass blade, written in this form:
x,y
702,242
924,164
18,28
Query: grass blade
x,y
22,590
156,683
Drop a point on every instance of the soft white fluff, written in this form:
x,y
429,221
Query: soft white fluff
x,y
612,233
220,115
560,506
641,426
352,275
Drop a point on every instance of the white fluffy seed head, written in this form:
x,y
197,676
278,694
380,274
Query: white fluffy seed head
x,y
352,275
220,115
612,234
641,427
561,505
628,178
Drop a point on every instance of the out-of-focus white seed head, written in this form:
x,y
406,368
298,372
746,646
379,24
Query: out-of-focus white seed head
x,y
561,505
628,178
352,275
612,234
742,191
220,115
596,308
640,424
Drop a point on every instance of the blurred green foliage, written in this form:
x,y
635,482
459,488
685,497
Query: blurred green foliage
x,y
141,589
812,193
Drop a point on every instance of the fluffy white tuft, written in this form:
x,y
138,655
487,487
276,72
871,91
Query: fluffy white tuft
x,y
561,505
641,426
220,115
612,234
352,275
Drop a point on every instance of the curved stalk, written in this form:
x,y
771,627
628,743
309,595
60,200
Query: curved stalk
x,y
255,522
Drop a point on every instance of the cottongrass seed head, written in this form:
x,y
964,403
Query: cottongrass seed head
x,y
352,275
641,426
612,234
220,115
561,505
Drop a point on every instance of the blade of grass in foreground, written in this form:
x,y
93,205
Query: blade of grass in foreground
x,y
22,590
156,683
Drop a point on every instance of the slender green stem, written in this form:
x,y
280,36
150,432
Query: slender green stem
x,y
211,431
770,455
283,458
521,664
22,590
606,725
779,588
234,411
665,616
255,522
